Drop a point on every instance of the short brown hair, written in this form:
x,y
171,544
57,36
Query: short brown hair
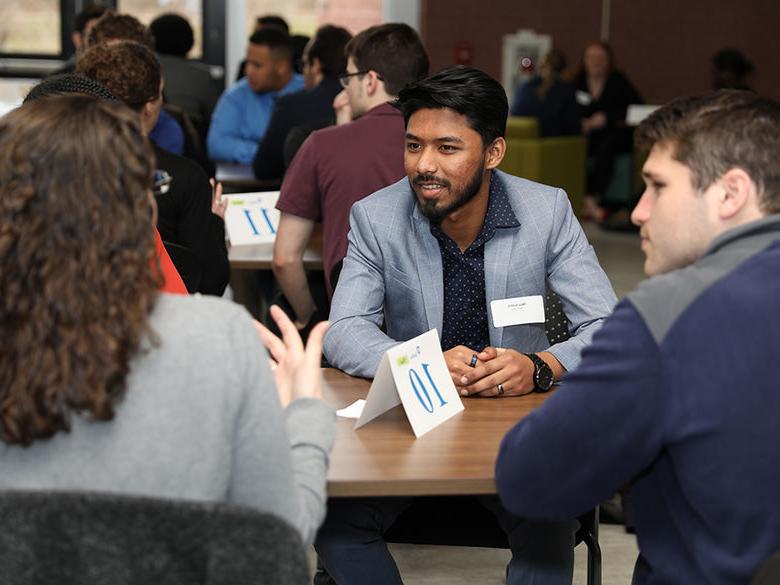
x,y
393,50
119,27
76,246
713,133
129,70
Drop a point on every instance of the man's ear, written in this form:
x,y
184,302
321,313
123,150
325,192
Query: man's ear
x,y
372,81
739,192
495,153
78,40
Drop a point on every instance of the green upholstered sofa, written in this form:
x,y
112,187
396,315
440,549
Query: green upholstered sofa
x,y
558,161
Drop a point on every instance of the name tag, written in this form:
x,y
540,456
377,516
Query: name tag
x,y
517,311
583,98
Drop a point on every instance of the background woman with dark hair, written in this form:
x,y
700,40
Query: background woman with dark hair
x,y
604,95
107,385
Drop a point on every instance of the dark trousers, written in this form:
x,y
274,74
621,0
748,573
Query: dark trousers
x,y
352,548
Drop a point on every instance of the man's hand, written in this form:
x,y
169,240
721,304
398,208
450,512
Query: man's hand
x,y
510,368
459,361
341,108
297,368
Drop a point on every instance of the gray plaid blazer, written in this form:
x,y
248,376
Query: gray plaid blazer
x,y
391,284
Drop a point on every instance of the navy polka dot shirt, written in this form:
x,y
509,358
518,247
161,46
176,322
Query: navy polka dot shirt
x,y
465,307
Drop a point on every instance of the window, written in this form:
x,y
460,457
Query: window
x,y
305,16
147,10
30,27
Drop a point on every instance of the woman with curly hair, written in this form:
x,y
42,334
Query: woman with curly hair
x,y
106,384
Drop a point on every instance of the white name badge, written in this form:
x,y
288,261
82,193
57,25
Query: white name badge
x,y
517,311
251,218
414,374
583,98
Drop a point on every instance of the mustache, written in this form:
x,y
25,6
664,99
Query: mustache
x,y
419,179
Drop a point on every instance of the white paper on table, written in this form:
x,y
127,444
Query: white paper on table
x,y
252,218
354,410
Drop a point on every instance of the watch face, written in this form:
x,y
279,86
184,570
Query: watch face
x,y
544,378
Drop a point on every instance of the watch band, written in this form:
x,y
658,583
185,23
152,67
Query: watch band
x,y
539,363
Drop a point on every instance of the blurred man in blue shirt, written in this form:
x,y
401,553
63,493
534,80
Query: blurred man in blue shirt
x,y
243,112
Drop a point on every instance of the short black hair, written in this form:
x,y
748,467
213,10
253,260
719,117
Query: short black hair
x,y
328,46
90,12
69,83
273,21
279,43
172,34
466,90
393,50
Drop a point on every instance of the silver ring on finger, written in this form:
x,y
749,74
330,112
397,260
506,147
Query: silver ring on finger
x,y
500,389
473,362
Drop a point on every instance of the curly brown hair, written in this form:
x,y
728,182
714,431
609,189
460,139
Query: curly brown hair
x,y
119,27
76,250
129,70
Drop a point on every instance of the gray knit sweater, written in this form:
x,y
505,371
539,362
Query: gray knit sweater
x,y
201,420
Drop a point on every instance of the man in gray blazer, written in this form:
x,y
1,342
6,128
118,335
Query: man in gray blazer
x,y
437,249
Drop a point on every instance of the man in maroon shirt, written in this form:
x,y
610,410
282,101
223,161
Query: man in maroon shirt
x,y
340,165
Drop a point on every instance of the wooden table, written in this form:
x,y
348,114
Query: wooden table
x,y
259,256
383,458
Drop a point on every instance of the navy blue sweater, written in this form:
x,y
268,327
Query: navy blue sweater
x,y
678,394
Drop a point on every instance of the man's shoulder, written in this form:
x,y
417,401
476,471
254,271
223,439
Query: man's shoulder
x,y
520,187
662,299
363,128
529,198
238,91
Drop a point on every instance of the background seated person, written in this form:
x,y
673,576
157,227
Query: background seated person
x,y
433,250
132,73
112,27
70,83
549,99
323,61
243,112
677,393
107,385
188,83
604,94
340,165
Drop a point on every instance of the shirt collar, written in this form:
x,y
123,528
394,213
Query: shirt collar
x,y
763,231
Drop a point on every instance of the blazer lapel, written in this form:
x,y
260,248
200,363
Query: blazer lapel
x,y
498,257
429,269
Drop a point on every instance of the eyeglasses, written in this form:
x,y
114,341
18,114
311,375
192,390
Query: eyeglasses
x,y
162,182
345,77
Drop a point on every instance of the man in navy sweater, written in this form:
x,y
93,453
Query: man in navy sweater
x,y
678,392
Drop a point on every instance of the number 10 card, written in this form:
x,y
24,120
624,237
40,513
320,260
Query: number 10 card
x,y
414,374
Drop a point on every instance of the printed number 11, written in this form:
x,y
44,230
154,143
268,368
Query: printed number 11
x,y
420,390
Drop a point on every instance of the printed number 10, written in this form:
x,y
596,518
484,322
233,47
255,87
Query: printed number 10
x,y
421,391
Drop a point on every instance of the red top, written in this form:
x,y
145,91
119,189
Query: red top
x,y
338,166
173,282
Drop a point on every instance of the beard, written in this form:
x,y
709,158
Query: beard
x,y
432,210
